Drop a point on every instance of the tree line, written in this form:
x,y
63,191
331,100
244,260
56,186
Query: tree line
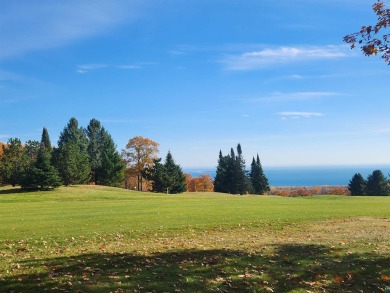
x,y
232,177
82,155
376,184
85,155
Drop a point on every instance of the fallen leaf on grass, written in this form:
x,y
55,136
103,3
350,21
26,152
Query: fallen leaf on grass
x,y
338,280
385,278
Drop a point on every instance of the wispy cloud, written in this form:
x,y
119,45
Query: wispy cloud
x,y
85,68
31,25
295,96
270,56
297,115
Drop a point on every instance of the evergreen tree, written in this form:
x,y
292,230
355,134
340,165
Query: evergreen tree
x,y
221,177
106,164
45,140
377,184
241,180
42,174
71,158
257,177
231,179
112,169
157,175
94,133
13,162
31,150
357,185
167,177
175,179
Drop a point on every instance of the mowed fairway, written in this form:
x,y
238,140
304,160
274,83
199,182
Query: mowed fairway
x,y
98,239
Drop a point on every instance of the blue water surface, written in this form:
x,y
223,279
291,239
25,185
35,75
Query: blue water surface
x,y
306,176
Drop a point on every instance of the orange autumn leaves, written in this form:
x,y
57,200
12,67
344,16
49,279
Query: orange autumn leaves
x,y
1,147
203,183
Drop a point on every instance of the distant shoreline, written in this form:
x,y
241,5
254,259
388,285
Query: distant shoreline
x,y
306,176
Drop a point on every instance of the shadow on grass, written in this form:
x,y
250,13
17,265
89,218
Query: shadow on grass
x,y
279,268
12,190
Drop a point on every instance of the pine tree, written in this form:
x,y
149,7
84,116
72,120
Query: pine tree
x,y
221,177
111,170
93,131
377,184
176,181
357,185
45,140
106,164
71,159
241,181
167,177
257,177
42,174
156,174
13,162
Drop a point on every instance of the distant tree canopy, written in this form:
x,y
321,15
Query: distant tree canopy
x,y
78,157
231,176
167,177
374,39
375,185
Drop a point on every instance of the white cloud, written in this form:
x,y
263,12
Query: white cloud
x,y
270,56
34,25
295,96
297,115
90,67
85,68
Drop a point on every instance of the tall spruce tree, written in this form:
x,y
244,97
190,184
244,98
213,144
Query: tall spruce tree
x,y
176,181
357,185
112,169
221,177
94,133
258,179
377,184
106,164
242,186
45,140
42,174
167,177
72,160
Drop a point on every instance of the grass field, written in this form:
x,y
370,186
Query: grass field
x,y
99,239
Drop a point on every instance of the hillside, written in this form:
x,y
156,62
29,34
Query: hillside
x,y
100,239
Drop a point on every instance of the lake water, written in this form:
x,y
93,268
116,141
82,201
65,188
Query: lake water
x,y
307,176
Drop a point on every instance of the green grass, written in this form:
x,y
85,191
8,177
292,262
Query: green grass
x,y
99,239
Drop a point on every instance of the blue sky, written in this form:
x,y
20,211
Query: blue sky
x,y
199,76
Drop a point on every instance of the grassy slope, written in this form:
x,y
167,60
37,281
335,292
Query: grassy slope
x,y
102,239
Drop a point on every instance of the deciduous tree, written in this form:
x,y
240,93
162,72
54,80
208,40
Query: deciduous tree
x,y
374,39
139,155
